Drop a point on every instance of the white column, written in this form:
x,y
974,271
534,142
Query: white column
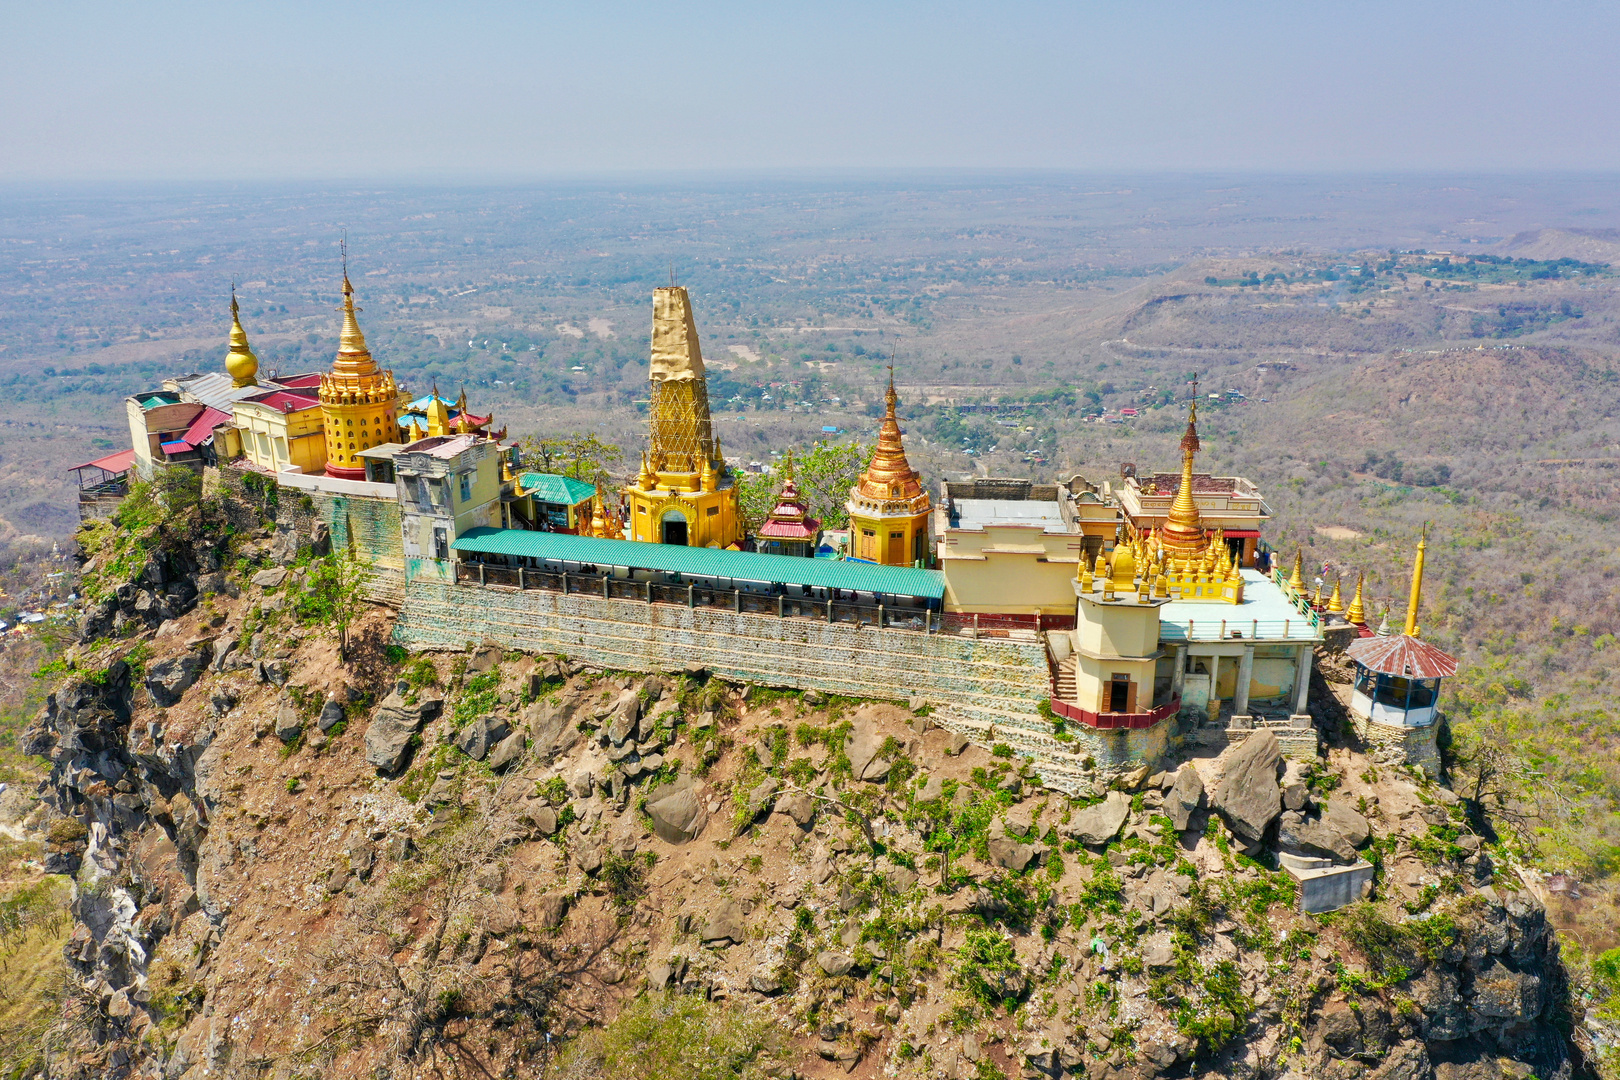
x,y
1245,672
1302,678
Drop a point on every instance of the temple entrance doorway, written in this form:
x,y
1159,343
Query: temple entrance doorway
x,y
674,525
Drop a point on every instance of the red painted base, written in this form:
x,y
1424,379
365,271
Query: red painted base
x,y
345,474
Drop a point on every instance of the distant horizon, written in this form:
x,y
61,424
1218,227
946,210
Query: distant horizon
x,y
178,90
664,179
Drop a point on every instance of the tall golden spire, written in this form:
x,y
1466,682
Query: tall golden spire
x,y
1335,604
682,434
889,475
240,362
353,356
1297,581
1412,627
1357,614
1183,531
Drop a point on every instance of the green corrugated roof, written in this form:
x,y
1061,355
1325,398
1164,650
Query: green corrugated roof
x,y
550,488
704,562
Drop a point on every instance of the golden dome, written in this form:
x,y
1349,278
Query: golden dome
x,y
240,362
889,476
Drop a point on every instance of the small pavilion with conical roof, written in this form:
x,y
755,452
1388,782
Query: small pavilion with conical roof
x,y
789,529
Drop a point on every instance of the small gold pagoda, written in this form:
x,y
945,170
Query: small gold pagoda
x,y
684,493
888,508
358,400
1182,535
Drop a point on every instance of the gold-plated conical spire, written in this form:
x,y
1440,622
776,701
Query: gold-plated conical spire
x,y
240,362
889,475
1183,531
1296,583
1412,627
1335,604
1356,613
353,356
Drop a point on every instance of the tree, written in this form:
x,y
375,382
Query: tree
x,y
581,455
336,587
825,475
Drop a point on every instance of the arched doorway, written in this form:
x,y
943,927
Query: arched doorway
x,y
674,528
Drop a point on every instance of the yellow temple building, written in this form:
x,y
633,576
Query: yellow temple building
x,y
359,401
684,493
889,511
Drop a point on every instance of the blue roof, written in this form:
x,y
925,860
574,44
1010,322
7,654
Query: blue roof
x,y
704,562
551,488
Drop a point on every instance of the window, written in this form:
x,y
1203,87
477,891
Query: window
x,y
466,487
897,536
713,510
441,543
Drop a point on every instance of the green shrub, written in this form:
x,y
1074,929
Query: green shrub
x,y
988,967
678,1035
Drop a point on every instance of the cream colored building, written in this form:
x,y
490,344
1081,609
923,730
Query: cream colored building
x,y
282,429
1013,547
447,485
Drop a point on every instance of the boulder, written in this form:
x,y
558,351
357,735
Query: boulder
x,y
168,679
798,806
765,981
1098,824
1248,797
864,743
271,578
552,726
1347,823
507,751
1300,835
484,658
623,717
725,924
388,738
1185,797
550,909
288,723
477,737
1011,854
331,716
1296,796
222,700
676,813
835,963
933,789
539,813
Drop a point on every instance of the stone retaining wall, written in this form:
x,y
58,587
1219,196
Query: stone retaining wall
x,y
1389,745
982,682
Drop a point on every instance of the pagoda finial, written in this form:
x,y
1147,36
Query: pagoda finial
x,y
352,348
1183,531
1412,628
1335,604
1383,627
1297,582
1356,613
240,362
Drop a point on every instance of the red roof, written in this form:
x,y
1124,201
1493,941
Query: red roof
x,y
301,382
1402,654
202,428
113,463
788,530
286,401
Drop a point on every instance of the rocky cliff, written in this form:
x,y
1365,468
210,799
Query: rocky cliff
x,y
291,864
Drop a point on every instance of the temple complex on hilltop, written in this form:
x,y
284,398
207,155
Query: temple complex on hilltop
x,y
1094,627
684,493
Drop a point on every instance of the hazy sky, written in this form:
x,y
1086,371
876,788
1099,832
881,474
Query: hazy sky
x,y
467,90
